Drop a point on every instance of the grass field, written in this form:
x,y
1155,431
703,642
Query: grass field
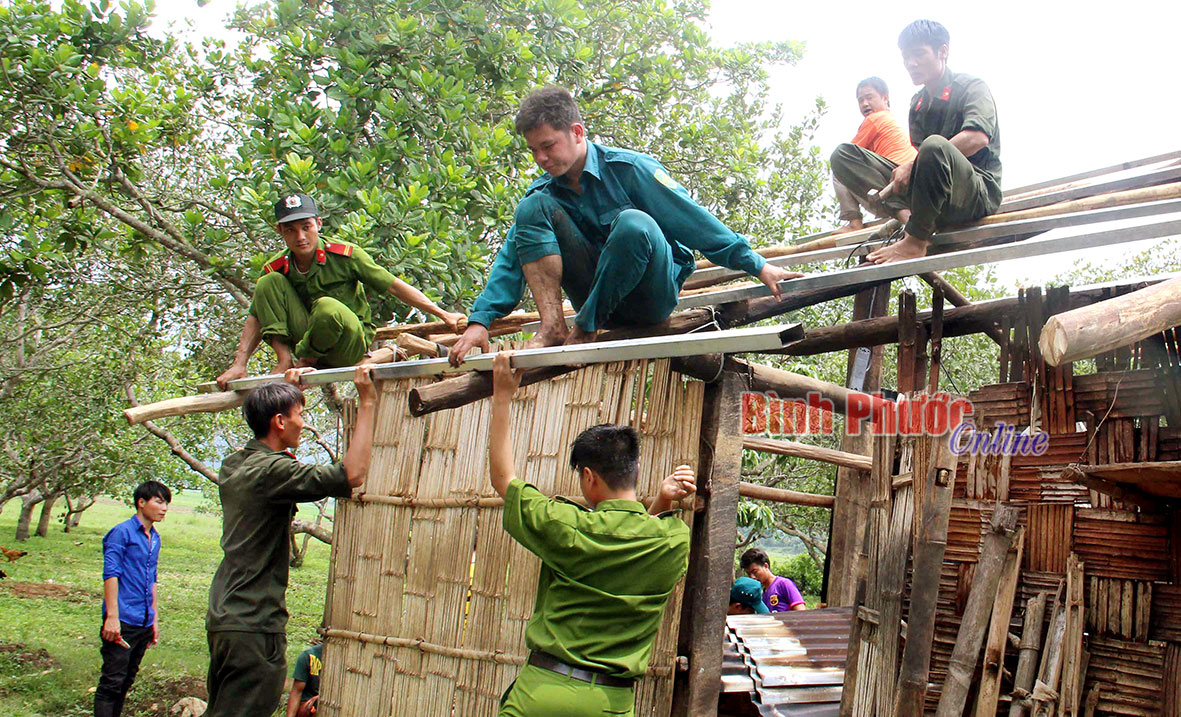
x,y
50,611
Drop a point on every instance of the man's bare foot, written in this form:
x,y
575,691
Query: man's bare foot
x,y
852,226
909,248
546,337
578,336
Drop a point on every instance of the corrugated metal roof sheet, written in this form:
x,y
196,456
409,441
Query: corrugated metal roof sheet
x,y
791,663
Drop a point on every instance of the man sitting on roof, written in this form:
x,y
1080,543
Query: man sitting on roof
x,y
311,300
881,134
956,177
610,226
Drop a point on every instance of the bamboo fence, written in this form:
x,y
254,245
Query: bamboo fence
x,y
428,597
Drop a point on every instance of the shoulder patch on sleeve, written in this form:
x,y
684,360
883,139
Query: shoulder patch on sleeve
x,y
338,248
663,178
279,265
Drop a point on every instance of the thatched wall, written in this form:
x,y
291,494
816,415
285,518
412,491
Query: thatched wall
x,y
429,597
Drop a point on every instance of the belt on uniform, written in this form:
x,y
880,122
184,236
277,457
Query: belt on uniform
x,y
549,662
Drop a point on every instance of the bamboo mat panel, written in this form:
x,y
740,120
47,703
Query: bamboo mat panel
x,y
1129,677
428,597
1119,544
1166,613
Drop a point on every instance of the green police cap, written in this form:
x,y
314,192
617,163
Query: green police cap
x,y
748,592
295,206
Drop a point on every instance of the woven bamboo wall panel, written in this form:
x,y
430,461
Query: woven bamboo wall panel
x,y
428,596
1048,537
1128,675
1119,608
1037,479
1007,402
1166,613
1116,544
1139,393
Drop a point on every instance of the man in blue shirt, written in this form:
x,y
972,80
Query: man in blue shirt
x,y
609,226
131,551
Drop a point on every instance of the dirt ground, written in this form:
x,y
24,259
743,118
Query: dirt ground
x,y
164,694
52,591
29,659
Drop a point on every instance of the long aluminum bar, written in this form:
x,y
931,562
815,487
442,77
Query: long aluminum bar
x,y
940,262
1169,174
732,341
1095,173
1020,227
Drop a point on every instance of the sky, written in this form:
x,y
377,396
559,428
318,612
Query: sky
x,y
1078,86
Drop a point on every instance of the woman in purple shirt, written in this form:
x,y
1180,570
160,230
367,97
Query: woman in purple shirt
x,y
779,594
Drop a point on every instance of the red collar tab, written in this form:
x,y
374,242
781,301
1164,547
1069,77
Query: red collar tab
x,y
321,257
946,94
336,248
279,265
919,105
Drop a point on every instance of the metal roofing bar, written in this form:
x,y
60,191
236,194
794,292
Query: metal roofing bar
x,y
940,262
979,233
1160,176
1096,172
759,338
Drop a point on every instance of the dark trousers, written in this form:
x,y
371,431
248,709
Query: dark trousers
x,y
945,189
119,667
629,280
246,673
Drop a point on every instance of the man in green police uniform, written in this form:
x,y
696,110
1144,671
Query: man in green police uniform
x,y
311,299
606,573
609,226
259,487
956,177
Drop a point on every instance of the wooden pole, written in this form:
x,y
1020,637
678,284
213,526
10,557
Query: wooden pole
x,y
711,557
1028,651
982,598
779,495
1072,641
957,298
803,450
1111,324
853,486
998,631
930,546
1045,695
202,403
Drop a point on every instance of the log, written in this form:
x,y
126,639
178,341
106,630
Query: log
x,y
711,558
803,450
1030,647
983,596
998,631
510,324
779,495
1073,669
418,346
1111,324
930,546
1045,695
201,403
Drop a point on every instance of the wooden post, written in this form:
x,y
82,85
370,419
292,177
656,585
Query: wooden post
x,y
930,546
1030,648
1105,326
906,342
852,485
1045,695
998,631
936,339
711,559
892,574
1072,642
981,600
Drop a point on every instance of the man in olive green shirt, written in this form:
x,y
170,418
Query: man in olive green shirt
x,y
311,300
259,487
606,573
956,177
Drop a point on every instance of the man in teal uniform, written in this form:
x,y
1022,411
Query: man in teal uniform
x,y
311,300
259,487
610,226
956,177
606,573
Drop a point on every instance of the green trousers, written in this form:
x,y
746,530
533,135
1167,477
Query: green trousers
x,y
540,693
629,280
246,673
945,190
330,333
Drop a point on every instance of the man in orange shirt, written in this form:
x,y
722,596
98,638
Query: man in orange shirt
x,y
880,133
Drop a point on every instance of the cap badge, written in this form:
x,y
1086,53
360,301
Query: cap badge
x,y
293,201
